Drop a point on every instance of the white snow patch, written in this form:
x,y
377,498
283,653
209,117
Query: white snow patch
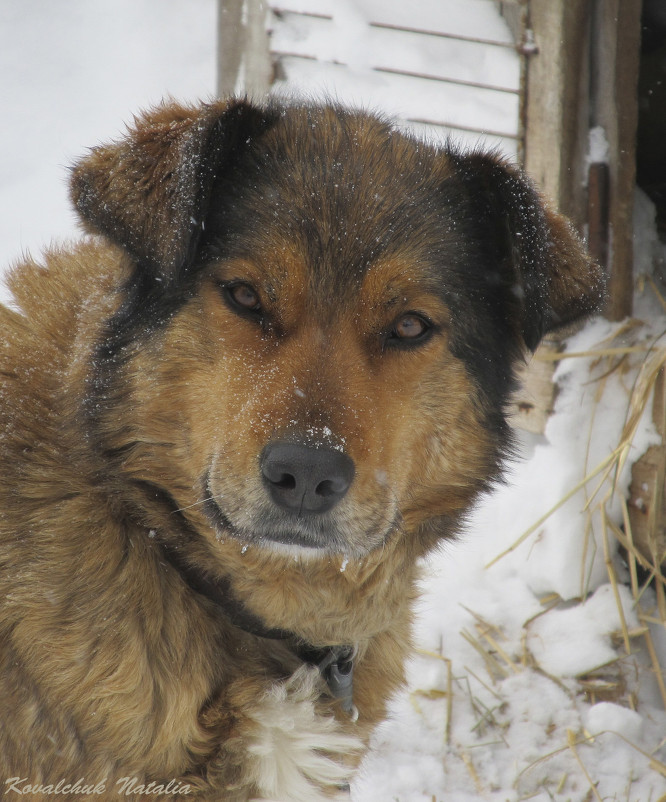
x,y
576,640
599,148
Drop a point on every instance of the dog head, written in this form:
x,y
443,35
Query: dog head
x,y
315,347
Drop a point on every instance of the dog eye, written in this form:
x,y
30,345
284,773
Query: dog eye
x,y
410,329
243,298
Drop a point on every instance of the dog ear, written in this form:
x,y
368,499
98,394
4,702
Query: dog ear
x,y
548,277
149,192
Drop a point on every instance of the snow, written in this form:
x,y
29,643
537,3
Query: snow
x,y
72,74
598,146
517,627
573,641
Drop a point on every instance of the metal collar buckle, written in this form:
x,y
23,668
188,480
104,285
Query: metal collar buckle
x,y
337,668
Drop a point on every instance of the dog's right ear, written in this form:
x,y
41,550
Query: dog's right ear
x,y
540,267
149,192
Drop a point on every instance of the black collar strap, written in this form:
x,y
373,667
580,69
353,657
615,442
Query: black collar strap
x,y
335,663
219,592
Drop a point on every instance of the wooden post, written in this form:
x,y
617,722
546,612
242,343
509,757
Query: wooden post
x,y
598,193
585,74
616,36
244,65
556,128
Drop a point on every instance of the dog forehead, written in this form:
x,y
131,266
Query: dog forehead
x,y
334,195
351,175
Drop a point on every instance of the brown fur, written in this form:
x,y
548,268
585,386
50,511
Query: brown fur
x,y
117,418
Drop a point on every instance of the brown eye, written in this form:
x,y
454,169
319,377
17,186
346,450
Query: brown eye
x,y
410,327
409,331
245,297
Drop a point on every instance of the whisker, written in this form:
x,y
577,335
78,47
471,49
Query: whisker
x,y
196,504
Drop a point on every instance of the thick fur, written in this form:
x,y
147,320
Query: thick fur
x,y
137,400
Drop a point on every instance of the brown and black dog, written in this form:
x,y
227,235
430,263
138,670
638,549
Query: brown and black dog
x,y
232,420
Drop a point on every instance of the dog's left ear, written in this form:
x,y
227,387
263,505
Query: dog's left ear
x,y
149,192
548,276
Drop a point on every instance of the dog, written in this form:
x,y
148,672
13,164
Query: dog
x,y
272,376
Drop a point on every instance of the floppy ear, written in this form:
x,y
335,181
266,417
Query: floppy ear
x,y
149,192
548,276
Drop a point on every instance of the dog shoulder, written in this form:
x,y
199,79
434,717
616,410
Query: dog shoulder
x,y
69,292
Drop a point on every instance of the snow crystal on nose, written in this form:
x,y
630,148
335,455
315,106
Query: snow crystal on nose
x,y
323,435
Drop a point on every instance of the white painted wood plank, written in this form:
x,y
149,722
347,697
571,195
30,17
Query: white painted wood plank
x,y
465,140
407,97
399,50
476,19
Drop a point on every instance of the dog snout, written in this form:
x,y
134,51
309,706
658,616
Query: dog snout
x,y
306,479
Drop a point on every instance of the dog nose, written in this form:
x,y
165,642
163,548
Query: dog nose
x,y
306,479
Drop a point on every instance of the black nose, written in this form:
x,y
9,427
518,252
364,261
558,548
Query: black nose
x,y
305,479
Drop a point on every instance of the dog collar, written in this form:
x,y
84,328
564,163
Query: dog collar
x,y
335,663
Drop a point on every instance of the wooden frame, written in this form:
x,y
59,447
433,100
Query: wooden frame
x,y
244,64
584,74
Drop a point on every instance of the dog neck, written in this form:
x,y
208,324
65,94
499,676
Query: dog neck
x,y
218,590
335,663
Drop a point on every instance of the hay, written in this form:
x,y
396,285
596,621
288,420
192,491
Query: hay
x,y
649,373
610,683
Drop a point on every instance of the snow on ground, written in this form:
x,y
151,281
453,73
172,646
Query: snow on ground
x,y
499,699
